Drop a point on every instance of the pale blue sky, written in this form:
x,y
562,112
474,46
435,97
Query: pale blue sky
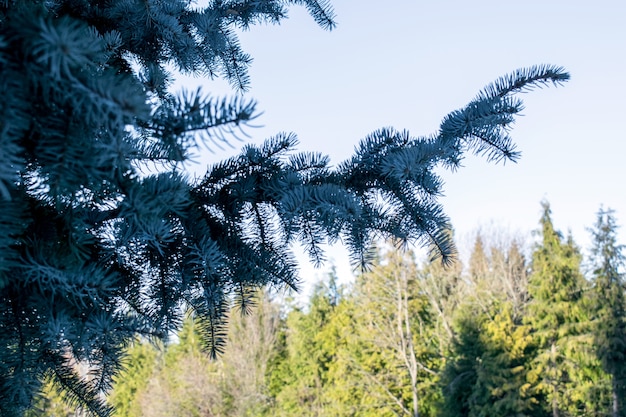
x,y
406,64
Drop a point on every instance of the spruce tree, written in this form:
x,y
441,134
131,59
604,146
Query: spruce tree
x,y
501,388
558,321
299,374
607,274
460,374
485,373
102,234
128,386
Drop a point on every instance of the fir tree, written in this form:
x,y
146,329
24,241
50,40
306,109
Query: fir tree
x,y
558,321
129,385
299,374
485,372
607,269
501,386
461,371
103,236
495,298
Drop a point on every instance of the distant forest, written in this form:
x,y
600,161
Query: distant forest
x,y
514,332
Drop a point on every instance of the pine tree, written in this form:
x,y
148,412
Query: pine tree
x,y
461,371
129,385
103,236
485,374
299,375
558,321
501,388
607,274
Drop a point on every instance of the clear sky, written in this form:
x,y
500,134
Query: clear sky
x,y
406,64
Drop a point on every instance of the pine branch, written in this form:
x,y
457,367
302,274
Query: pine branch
x,y
321,10
524,79
77,392
189,113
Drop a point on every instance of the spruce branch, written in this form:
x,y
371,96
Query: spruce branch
x,y
321,10
78,392
190,113
523,80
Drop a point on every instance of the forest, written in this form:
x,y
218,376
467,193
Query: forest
x,y
522,329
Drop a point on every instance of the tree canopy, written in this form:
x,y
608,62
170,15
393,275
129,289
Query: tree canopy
x,y
406,338
609,310
104,237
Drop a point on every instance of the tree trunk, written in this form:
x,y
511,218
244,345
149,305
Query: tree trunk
x,y
416,412
555,391
555,403
615,398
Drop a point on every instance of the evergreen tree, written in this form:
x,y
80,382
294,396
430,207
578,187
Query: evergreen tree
x,y
131,383
299,374
501,388
461,371
372,353
50,403
103,236
607,274
485,374
558,321
341,393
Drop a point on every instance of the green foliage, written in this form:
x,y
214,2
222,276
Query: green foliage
x,y
398,353
501,388
141,362
182,382
185,382
371,353
50,402
300,373
486,371
401,335
609,311
460,374
557,315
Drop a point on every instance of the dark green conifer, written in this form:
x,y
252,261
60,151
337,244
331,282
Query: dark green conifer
x,y
607,274
558,321
485,373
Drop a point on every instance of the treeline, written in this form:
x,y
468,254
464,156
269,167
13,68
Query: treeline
x,y
506,335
